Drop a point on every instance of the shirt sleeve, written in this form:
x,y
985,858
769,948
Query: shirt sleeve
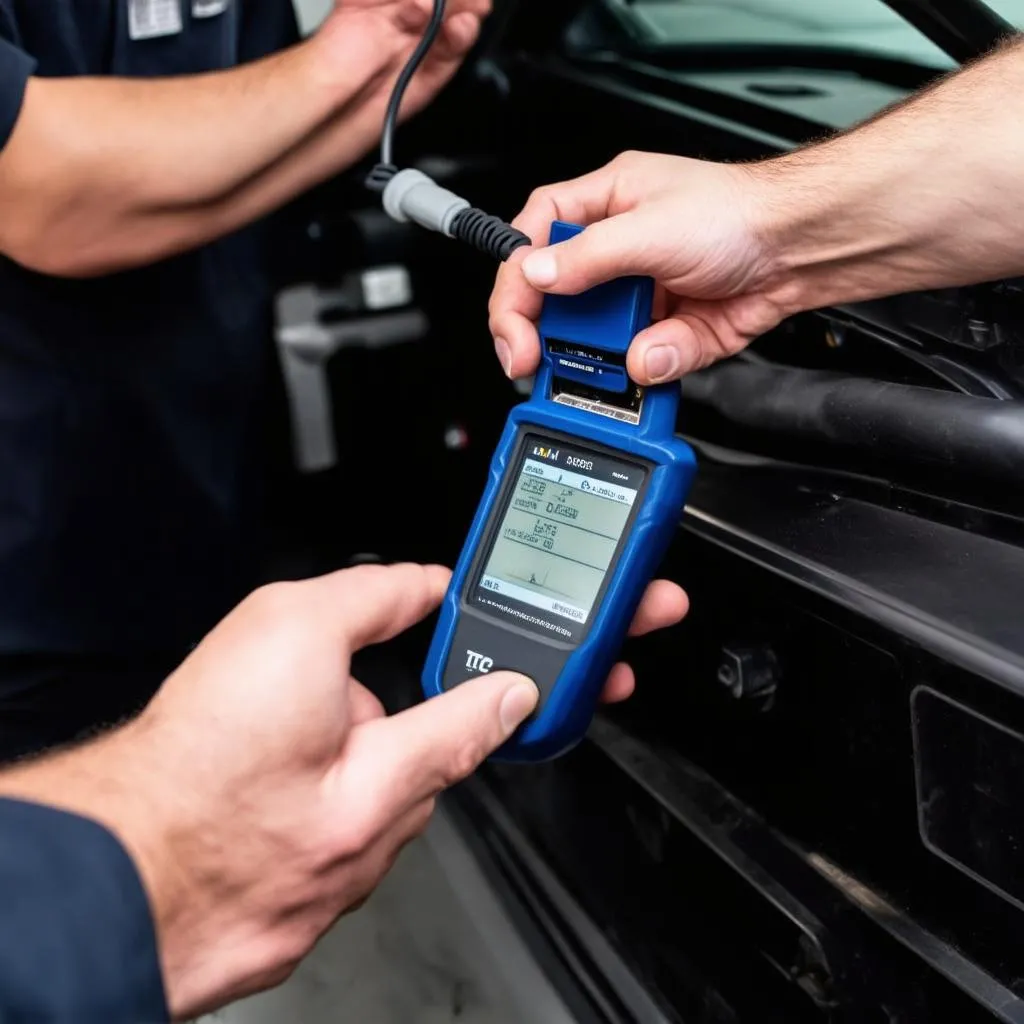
x,y
77,944
16,67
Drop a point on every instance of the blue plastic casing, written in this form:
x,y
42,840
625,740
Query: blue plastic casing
x,y
606,318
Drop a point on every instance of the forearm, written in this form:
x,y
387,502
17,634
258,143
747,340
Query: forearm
x,y
338,144
96,167
341,143
928,195
108,780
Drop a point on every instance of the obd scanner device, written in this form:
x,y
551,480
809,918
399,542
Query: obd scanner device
x,y
583,497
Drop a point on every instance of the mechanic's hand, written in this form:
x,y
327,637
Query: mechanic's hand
x,y
693,226
263,793
398,26
297,792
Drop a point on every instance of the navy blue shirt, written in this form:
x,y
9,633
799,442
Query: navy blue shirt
x,y
131,407
77,944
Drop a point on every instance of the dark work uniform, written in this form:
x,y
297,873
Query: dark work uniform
x,y
131,408
77,944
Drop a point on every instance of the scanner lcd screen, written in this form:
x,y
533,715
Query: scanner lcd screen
x,y
563,520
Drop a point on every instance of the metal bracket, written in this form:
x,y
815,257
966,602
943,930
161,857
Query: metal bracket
x,y
305,345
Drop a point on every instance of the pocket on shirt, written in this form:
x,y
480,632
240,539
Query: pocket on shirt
x,y
205,43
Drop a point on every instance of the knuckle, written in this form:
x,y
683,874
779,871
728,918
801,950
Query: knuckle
x,y
285,971
733,344
272,599
279,973
353,836
465,760
278,954
365,584
366,575
629,171
298,947
418,576
543,195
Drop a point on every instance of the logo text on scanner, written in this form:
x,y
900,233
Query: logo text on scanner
x,y
477,662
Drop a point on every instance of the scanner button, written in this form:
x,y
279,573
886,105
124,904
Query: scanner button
x,y
479,647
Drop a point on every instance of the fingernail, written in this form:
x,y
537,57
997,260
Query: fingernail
x,y
541,269
661,362
517,705
504,355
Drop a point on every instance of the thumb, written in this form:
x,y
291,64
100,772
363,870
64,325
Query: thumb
x,y
422,751
607,249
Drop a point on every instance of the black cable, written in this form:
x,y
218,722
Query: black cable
x,y
378,178
489,234
386,169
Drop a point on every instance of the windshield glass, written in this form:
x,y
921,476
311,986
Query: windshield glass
x,y
866,26
1011,10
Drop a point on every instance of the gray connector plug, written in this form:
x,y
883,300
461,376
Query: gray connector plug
x,y
412,195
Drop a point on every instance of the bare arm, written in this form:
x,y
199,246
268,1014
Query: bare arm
x,y
927,195
110,173
346,139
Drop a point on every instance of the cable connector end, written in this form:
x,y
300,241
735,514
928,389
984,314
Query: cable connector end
x,y
411,195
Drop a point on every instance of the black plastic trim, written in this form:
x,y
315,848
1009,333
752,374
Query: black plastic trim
x,y
965,29
687,792
602,78
953,593
569,947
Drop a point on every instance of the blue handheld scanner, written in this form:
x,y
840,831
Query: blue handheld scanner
x,y
584,494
